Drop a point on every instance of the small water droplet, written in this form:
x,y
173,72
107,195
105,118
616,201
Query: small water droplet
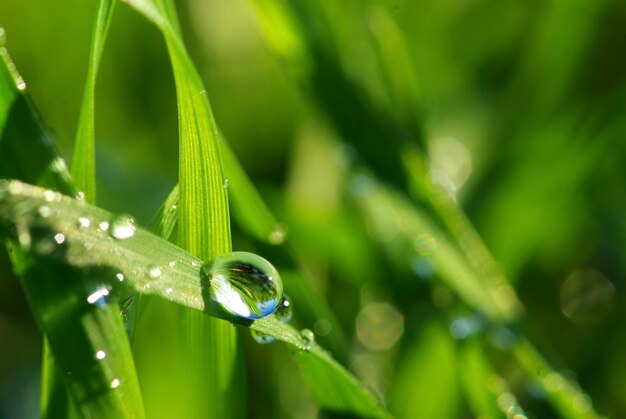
x,y
195,263
153,271
261,338
100,354
171,263
308,339
225,184
122,227
244,284
44,211
59,238
120,276
103,226
278,234
83,222
115,383
50,195
169,290
282,313
21,84
80,196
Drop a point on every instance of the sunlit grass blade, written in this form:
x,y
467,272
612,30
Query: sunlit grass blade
x,y
208,348
84,156
127,265
420,236
564,394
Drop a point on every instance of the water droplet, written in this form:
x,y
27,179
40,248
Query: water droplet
x,y
50,196
169,290
195,263
553,381
278,234
59,238
44,211
282,313
225,184
83,222
115,383
103,226
244,284
261,338
466,326
58,165
21,84
171,263
80,196
100,354
153,271
122,227
308,339
119,276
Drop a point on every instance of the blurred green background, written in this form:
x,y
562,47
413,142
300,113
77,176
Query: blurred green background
x,y
521,106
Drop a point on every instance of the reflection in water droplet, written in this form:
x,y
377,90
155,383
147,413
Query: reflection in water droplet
x,y
278,234
115,383
261,338
379,326
308,339
587,296
98,296
244,284
122,227
100,354
103,226
153,271
283,313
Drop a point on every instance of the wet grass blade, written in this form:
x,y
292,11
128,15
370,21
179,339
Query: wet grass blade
x,y
126,265
84,156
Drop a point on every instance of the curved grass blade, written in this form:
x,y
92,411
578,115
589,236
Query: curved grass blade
x,y
28,152
84,156
127,264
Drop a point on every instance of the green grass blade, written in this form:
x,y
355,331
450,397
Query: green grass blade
x,y
84,157
92,249
209,348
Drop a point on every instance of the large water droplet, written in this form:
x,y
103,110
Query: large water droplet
x,y
244,284
122,227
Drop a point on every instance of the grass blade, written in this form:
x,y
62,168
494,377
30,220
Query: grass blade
x,y
91,249
84,156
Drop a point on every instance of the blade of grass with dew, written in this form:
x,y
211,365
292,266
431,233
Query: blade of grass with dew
x,y
565,395
123,265
208,354
28,152
84,157
419,235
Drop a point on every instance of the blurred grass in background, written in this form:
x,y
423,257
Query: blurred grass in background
x,y
521,106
